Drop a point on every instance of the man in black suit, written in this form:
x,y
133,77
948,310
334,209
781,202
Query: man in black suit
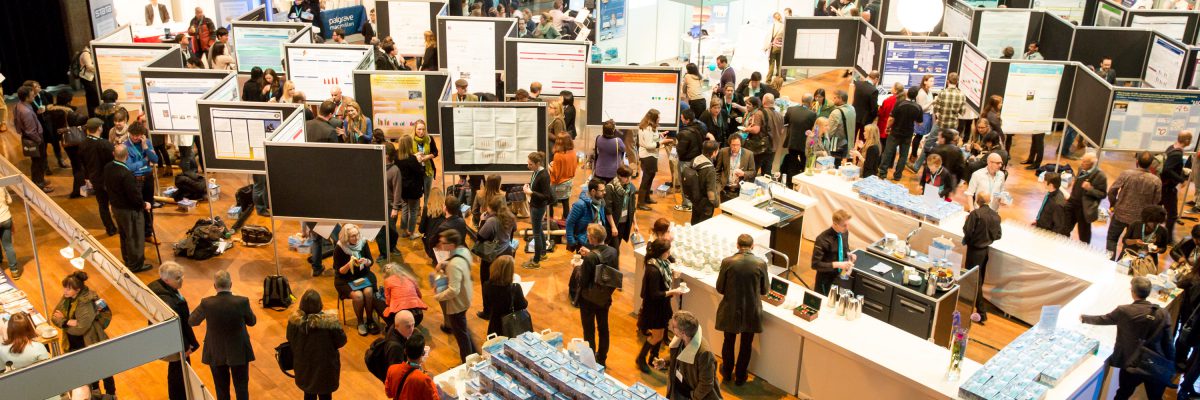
x,y
1053,215
831,252
128,208
1172,176
96,152
1089,187
1136,322
227,348
799,120
979,231
1106,71
170,279
752,87
866,101
321,129
741,282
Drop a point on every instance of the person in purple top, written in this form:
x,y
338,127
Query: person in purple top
x,y
609,153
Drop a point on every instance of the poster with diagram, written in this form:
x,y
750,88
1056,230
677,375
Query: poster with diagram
x,y
1150,119
238,134
397,102
494,135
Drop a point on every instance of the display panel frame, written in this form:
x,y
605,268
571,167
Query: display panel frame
x,y
595,113
845,54
208,145
450,166
307,185
383,18
512,68
282,26
316,97
170,73
101,86
436,83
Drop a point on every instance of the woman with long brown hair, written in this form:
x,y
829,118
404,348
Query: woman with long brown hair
x,y
504,295
491,189
21,349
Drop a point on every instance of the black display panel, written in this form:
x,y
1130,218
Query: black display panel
x,y
1127,47
847,40
452,144
435,86
309,181
1056,36
208,144
172,59
1090,104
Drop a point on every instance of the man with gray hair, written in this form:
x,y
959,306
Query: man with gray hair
x,y
227,347
1138,322
170,279
799,120
693,368
1089,187
841,120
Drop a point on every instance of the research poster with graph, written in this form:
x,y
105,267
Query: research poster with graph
x,y
119,70
173,102
627,96
397,101
260,47
558,66
494,135
1149,120
316,70
1030,97
238,134
907,62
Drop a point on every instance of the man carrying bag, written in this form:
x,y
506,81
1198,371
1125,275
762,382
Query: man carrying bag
x,y
1144,349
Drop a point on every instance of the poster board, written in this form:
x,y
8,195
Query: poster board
x,y
1150,119
1031,96
1091,100
907,59
291,130
118,68
1000,28
1178,25
232,133
956,21
406,22
971,73
870,46
171,94
260,44
465,51
298,175
820,41
1056,37
489,137
226,90
557,64
1070,10
1109,14
624,94
1127,46
396,99
256,14
1164,66
304,36
121,34
316,68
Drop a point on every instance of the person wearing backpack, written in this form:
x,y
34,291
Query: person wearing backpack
x,y
1132,192
589,209
315,338
408,380
1141,324
83,67
594,300
82,315
703,186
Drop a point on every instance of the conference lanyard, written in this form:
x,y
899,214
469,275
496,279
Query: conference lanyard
x,y
121,164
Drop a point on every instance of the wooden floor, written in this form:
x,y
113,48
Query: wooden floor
x,y
548,303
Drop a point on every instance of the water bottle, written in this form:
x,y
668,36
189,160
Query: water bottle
x,y
214,190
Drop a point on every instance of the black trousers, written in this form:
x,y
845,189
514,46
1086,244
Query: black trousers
x,y
729,368
38,167
133,239
76,170
462,334
147,183
622,234
762,163
176,388
1170,201
825,281
978,257
698,106
1127,382
1115,230
1080,223
320,396
595,319
102,207
793,164
646,186
91,94
239,375
701,211
1037,149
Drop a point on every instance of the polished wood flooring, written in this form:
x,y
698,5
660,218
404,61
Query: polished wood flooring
x,y
548,299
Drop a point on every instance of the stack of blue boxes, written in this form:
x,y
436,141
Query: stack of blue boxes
x,y
1029,366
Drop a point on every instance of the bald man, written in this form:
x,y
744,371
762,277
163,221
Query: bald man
x,y
1089,187
979,231
125,197
404,326
1172,176
203,30
990,180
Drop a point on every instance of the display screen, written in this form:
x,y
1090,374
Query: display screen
x,y
1149,120
1030,97
238,134
1165,64
397,102
471,54
627,96
260,47
557,66
172,102
907,62
315,70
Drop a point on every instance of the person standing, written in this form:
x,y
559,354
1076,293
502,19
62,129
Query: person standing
x,y
989,180
775,46
1087,190
140,161
408,380
620,203
608,153
315,338
979,231
692,370
541,197
25,121
502,294
227,347
321,129
734,165
799,120
648,141
693,87
454,261
728,75
658,286
404,328
831,252
947,107
1133,190
742,282
769,163
157,12
1032,51
82,315
6,230
170,280
425,150
128,208
1140,323
589,209
369,27
1053,215
412,178
594,300
690,140
841,122
203,30
1172,176
866,101
87,78
705,188
1106,71
885,112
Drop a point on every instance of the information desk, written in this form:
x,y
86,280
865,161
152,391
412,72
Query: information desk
x,y
1027,268
820,359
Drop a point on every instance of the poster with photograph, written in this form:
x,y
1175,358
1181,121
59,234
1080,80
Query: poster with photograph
x,y
397,101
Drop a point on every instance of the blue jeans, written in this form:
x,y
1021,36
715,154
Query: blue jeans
x,y
537,215
412,212
318,245
6,229
927,144
259,188
890,156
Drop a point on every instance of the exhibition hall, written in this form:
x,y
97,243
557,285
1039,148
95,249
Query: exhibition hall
x,y
444,199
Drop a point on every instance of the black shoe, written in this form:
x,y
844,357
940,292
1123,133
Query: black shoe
x,y
650,201
481,315
110,232
1026,162
739,382
318,271
1032,167
444,329
144,267
644,207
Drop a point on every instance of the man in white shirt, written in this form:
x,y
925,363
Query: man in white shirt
x,y
988,180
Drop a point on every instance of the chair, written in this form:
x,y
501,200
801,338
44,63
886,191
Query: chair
x,y
342,308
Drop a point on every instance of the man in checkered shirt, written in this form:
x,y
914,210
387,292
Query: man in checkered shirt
x,y
947,107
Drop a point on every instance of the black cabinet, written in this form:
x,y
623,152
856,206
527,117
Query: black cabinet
x,y
888,299
912,314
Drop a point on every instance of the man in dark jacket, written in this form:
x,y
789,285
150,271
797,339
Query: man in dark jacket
x,y
692,369
227,347
620,203
1053,215
690,137
866,100
831,252
29,127
321,129
204,31
705,187
540,197
1089,187
901,125
96,152
404,328
1136,322
128,208
952,156
979,231
589,209
799,120
1172,175
170,279
594,300
752,87
742,282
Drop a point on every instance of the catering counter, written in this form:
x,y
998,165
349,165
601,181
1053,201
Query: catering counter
x,y
1027,268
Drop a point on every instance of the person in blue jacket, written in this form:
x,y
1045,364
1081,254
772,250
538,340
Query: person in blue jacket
x,y
584,212
141,161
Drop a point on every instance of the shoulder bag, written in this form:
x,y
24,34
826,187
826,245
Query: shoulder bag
x,y
518,321
1148,360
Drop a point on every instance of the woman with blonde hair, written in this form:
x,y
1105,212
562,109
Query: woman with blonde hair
x,y
433,217
287,95
357,125
353,278
648,141
870,151
430,59
401,291
425,150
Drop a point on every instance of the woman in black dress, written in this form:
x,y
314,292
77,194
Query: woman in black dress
x,y
503,296
657,290
352,261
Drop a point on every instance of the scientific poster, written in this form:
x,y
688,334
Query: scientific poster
x,y
907,62
173,102
1149,120
557,66
956,23
226,92
816,44
238,134
627,96
118,69
471,53
397,101
1109,15
866,52
292,131
1164,65
1070,10
259,47
1000,29
316,70
970,76
611,19
1030,97
494,135
1170,25
407,23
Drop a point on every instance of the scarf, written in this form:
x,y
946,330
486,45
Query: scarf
x,y
419,146
355,250
664,268
357,127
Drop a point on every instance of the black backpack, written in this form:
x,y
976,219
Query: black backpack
x,y
76,67
277,293
590,287
245,197
200,242
376,358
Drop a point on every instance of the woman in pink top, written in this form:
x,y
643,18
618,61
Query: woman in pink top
x,y
402,292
